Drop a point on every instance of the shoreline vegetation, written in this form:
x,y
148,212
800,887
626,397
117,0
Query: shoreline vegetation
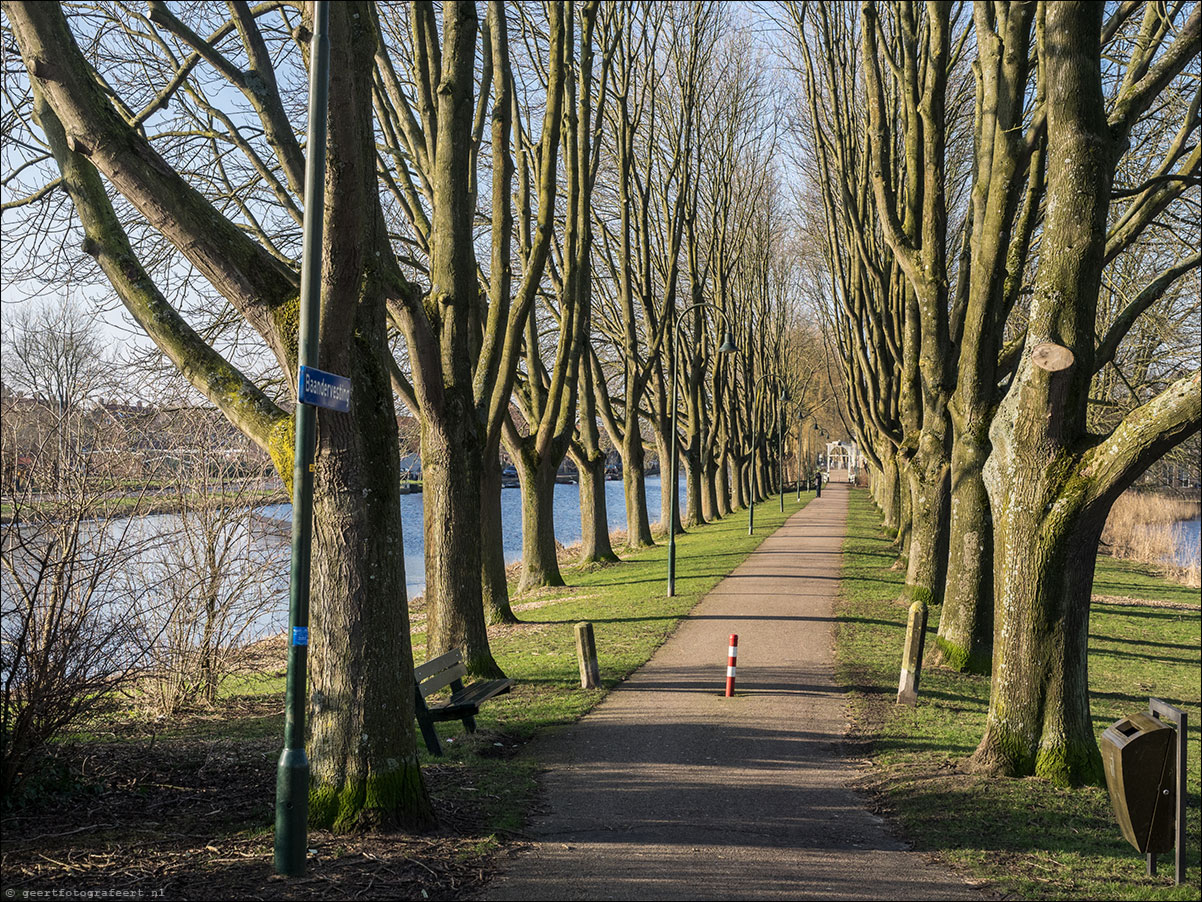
x,y
1023,838
146,505
1142,527
184,804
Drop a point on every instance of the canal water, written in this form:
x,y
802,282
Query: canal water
x,y
567,521
1187,540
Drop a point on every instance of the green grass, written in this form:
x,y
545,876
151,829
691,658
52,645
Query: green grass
x,y
1028,838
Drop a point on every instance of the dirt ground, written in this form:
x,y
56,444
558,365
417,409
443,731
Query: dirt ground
x,y
131,814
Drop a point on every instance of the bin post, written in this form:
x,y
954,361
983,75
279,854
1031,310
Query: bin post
x,y
1162,710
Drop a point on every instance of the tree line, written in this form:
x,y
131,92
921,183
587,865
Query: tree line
x,y
520,203
1005,196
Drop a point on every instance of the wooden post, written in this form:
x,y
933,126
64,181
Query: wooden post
x,y
916,631
586,654
1162,710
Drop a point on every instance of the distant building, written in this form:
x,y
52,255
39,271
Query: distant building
x,y
843,461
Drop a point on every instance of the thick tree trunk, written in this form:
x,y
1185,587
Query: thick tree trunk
x,y
709,489
691,516
364,771
540,560
663,450
722,485
1045,527
1038,720
888,493
763,474
926,565
905,508
734,479
595,546
638,525
966,621
494,582
451,502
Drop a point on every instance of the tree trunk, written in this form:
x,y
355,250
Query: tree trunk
x,y
638,525
887,493
709,489
540,559
451,501
966,623
494,582
594,510
364,771
738,482
1038,720
722,485
1046,530
926,566
663,450
692,480
905,508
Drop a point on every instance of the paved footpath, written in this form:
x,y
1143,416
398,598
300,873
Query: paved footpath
x,y
668,790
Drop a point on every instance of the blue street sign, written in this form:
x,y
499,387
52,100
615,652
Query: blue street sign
x,y
322,389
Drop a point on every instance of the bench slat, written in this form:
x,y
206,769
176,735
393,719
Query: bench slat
x,y
434,665
477,693
452,712
440,680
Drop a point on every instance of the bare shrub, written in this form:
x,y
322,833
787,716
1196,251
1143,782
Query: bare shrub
x,y
67,544
67,641
219,574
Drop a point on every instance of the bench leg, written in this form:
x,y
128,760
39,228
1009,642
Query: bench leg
x,y
469,723
430,735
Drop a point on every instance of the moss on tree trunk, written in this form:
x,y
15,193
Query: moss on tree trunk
x,y
965,634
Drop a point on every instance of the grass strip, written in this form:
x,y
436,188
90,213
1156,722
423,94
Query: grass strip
x,y
1028,838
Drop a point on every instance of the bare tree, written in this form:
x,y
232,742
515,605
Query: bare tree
x,y
162,174
53,353
1051,481
68,587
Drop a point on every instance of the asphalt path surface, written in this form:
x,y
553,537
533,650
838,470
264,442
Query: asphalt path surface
x,y
669,790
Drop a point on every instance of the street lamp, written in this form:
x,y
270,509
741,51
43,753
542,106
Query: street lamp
x,y
292,771
800,427
755,437
727,347
780,447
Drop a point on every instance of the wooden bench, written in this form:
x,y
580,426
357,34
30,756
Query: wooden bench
x,y
464,703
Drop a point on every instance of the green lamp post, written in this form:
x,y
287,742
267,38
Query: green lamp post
x,y
292,774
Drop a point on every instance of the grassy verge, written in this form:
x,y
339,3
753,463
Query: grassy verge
x,y
1030,839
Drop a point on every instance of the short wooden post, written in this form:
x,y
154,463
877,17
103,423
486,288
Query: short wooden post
x,y
586,654
916,632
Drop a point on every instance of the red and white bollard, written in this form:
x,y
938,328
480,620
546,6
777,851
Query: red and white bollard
x,y
732,654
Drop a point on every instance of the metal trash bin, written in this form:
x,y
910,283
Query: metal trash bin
x,y
1138,753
